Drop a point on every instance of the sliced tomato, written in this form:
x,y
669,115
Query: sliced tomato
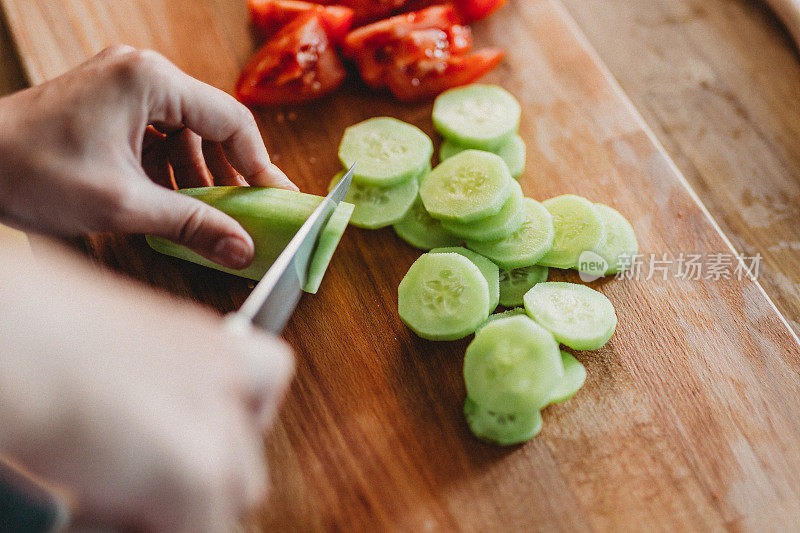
x,y
473,10
367,11
297,65
269,16
427,79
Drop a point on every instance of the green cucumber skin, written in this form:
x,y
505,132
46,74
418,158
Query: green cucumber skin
x,y
422,231
500,226
270,216
329,240
620,239
574,378
513,153
487,268
508,313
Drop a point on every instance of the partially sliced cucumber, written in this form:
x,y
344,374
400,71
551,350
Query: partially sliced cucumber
x,y
578,228
328,241
577,316
422,231
619,246
512,365
388,151
524,247
443,297
489,270
498,226
481,116
574,378
512,152
467,187
502,429
516,282
378,207
505,314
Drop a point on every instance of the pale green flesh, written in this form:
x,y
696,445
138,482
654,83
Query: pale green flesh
x,y
504,314
524,247
443,297
512,365
499,226
573,380
620,244
481,116
512,152
516,282
577,316
467,187
378,207
487,268
578,228
387,151
501,429
422,231
271,217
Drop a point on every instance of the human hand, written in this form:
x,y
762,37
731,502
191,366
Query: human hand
x,y
97,148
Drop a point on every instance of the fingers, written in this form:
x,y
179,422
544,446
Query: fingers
x,y
221,169
185,155
154,158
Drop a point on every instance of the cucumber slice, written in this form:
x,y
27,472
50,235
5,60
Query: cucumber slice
x,y
574,378
499,226
512,152
487,268
524,247
378,207
422,231
481,116
505,314
577,316
516,282
502,429
271,217
388,151
443,297
467,187
578,228
620,244
512,365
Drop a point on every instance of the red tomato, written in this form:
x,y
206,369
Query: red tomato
x,y
297,65
370,10
478,9
269,16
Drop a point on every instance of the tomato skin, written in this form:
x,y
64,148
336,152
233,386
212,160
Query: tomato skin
x,y
297,65
367,11
269,16
473,10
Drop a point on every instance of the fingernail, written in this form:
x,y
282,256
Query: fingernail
x,y
274,177
232,252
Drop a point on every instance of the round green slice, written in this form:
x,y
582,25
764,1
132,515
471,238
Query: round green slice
x,y
467,187
619,246
480,116
378,207
574,378
578,228
514,283
443,297
577,316
489,270
524,247
422,231
512,365
513,153
387,151
504,314
502,429
499,226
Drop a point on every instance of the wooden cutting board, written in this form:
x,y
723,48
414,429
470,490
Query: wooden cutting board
x,y
690,417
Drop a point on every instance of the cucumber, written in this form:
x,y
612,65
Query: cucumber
x,y
578,228
512,365
577,316
499,226
467,187
620,244
481,116
524,247
422,231
388,151
271,217
512,152
502,429
487,268
443,297
574,378
516,282
505,314
378,207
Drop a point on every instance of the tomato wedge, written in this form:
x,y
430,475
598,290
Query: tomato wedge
x,y
297,65
473,10
269,16
370,10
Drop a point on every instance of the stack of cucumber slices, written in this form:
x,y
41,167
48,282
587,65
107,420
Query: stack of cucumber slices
x,y
489,245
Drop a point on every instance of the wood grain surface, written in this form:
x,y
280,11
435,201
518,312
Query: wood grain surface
x,y
690,418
